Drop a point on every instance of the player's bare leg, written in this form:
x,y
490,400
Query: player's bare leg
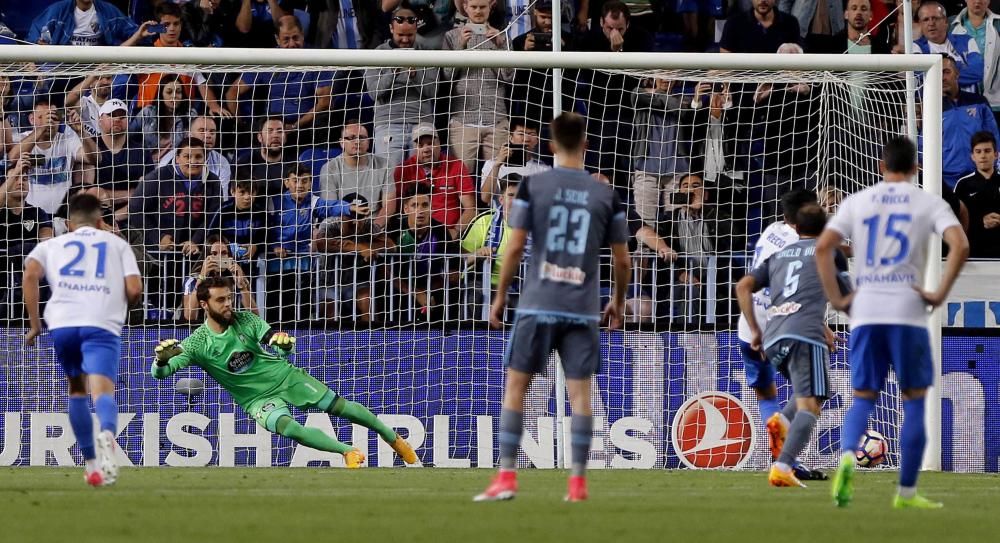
x,y
504,484
83,428
581,434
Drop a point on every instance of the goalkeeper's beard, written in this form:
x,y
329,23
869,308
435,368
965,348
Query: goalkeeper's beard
x,y
224,318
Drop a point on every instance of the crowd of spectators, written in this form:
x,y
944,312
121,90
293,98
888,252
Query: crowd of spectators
x,y
254,174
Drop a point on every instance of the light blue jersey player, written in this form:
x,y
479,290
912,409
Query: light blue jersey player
x,y
890,226
93,276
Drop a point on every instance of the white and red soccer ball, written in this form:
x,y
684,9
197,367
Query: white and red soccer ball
x,y
871,449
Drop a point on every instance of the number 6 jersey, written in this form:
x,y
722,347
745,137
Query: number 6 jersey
x,y
86,271
890,225
570,217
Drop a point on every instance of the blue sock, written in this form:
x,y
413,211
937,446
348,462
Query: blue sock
x,y
82,424
107,412
912,441
768,408
855,424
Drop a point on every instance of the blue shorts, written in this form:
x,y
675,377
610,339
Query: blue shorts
x,y
874,347
87,350
756,366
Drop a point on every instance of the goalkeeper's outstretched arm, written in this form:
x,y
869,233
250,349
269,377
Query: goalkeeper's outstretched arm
x,y
169,357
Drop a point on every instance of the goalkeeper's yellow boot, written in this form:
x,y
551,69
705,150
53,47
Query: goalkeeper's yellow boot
x,y
777,429
404,450
353,459
916,502
781,478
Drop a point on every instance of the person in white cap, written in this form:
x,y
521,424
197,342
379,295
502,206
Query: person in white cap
x,y
453,200
91,94
121,161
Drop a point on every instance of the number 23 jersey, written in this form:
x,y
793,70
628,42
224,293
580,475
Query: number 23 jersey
x,y
890,225
571,217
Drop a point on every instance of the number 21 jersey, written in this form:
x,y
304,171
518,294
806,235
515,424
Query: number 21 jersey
x,y
890,225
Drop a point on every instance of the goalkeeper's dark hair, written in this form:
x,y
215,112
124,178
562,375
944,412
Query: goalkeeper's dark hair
x,y
810,220
794,200
85,208
569,131
203,291
899,155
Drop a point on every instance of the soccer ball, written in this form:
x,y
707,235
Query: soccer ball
x,y
871,449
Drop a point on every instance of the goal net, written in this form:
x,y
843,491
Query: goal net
x,y
357,199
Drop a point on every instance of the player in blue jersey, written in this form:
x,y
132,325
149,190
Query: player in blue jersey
x,y
571,217
93,276
890,225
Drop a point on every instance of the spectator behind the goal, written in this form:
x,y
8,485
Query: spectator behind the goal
x,y
451,188
518,156
91,94
961,48
697,230
980,192
164,122
85,22
211,23
219,262
714,128
357,171
963,114
243,219
268,160
300,97
169,15
656,153
56,152
531,89
609,105
762,29
404,97
120,161
356,24
786,124
979,22
478,123
173,202
349,272
204,129
486,238
22,226
427,269
296,213
855,38
433,18
256,21
698,17
816,17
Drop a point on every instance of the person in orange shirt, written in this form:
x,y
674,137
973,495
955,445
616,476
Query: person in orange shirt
x,y
169,16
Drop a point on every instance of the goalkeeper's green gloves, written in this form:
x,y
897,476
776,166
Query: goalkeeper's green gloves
x,y
282,341
167,349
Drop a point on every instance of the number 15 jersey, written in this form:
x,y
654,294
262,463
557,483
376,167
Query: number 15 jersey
x,y
570,217
86,270
890,225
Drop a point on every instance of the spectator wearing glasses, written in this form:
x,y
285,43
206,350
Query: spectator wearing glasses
x,y
936,40
404,97
357,171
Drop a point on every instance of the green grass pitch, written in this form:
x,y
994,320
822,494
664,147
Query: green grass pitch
x,y
246,505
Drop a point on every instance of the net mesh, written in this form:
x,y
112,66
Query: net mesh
x,y
302,183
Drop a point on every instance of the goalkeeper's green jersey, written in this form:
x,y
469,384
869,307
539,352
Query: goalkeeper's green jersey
x,y
234,358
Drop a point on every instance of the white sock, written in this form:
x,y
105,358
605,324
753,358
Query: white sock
x,y
907,491
91,465
783,466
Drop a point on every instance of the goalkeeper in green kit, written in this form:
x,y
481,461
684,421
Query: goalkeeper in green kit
x,y
228,347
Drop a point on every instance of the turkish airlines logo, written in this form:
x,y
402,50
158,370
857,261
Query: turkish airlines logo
x,y
713,430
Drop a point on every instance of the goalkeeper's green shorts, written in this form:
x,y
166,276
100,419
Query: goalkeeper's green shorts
x,y
299,389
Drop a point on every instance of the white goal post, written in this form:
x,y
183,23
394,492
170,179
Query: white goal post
x,y
708,66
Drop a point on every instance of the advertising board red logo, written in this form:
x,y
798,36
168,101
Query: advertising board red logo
x,y
713,430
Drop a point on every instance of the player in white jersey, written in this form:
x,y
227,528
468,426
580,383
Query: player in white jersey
x,y
93,276
758,369
890,225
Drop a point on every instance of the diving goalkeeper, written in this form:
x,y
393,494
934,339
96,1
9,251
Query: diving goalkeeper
x,y
228,347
